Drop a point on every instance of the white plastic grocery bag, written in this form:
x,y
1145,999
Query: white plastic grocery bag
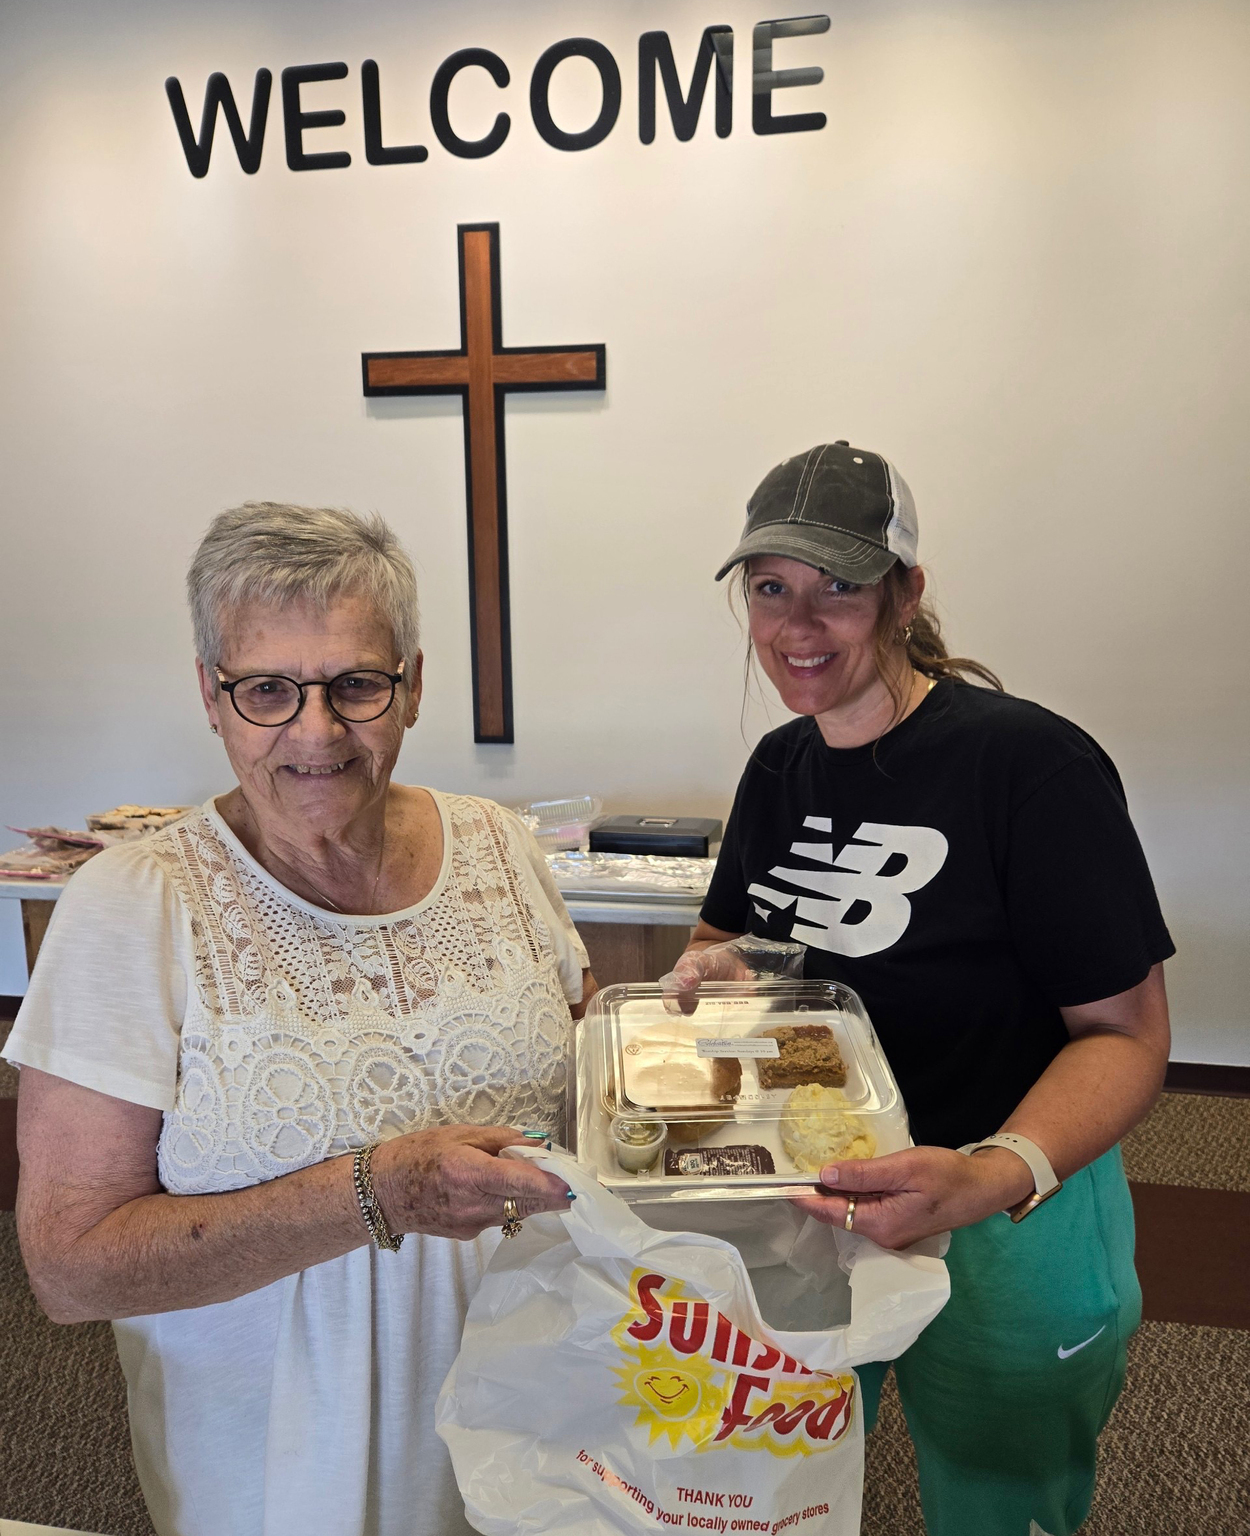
x,y
617,1379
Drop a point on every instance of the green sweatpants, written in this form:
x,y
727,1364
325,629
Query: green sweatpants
x,y
1007,1389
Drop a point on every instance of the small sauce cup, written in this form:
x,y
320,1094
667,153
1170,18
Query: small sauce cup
x,y
637,1141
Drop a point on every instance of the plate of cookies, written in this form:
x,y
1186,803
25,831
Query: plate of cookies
x,y
747,1095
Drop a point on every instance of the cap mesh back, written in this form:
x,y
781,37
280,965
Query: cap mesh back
x,y
902,532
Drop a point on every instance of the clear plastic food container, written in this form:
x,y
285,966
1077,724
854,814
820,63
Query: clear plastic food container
x,y
746,1097
561,825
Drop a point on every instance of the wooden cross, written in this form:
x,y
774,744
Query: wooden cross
x,y
482,372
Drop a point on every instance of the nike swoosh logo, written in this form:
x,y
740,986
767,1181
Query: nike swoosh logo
x,y
1064,1353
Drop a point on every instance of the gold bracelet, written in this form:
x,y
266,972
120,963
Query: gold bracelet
x,y
370,1210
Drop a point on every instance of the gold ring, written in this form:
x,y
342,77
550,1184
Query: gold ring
x,y
511,1217
849,1223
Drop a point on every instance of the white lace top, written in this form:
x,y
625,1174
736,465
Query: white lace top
x,y
179,974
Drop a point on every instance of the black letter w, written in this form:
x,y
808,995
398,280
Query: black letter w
x,y
656,51
247,147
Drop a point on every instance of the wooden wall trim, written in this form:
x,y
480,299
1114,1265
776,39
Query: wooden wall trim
x,y
1204,1077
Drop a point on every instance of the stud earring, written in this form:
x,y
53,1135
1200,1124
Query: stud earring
x,y
213,728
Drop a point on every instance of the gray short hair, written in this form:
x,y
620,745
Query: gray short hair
x,y
270,552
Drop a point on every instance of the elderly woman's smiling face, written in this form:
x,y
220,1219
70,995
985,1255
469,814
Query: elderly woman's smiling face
x,y
317,769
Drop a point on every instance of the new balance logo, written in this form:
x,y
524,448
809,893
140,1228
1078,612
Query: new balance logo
x,y
857,908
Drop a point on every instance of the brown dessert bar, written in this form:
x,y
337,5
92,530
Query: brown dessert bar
x,y
806,1053
726,1079
717,1162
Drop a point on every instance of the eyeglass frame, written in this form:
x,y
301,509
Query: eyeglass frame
x,y
394,678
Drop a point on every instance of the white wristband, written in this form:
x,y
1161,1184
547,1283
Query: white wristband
x,y
1045,1183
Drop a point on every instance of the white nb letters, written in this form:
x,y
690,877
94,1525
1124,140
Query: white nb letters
x,y
853,876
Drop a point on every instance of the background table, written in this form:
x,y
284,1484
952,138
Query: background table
x,y
631,940
626,940
37,898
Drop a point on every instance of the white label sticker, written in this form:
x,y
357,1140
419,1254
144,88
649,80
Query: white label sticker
x,y
740,1048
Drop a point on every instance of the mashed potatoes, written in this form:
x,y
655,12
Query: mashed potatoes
x,y
816,1129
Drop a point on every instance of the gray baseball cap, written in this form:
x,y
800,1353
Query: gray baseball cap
x,y
844,510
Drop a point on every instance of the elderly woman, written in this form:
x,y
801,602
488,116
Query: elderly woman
x,y
966,862
270,1044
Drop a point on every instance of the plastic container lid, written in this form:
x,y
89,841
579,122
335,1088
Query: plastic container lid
x,y
558,825
759,1087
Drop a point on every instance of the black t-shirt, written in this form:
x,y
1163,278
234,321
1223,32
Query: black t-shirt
x,y
968,875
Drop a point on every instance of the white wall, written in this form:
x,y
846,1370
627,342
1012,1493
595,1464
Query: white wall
x,y
1015,260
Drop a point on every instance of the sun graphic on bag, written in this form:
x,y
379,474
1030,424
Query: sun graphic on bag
x,y
681,1396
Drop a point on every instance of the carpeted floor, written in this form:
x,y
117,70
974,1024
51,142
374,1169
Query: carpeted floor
x,y
1173,1459
1193,1140
1172,1462
64,1441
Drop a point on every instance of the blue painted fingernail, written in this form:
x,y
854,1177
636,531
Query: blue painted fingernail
x,y
536,1135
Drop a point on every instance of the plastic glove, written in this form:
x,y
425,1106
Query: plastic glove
x,y
742,959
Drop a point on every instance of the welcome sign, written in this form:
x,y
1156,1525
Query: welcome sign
x,y
483,371
656,61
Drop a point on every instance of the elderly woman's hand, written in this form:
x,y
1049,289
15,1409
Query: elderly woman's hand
x,y
909,1195
451,1181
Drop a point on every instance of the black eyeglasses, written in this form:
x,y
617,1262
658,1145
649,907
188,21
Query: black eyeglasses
x,y
266,698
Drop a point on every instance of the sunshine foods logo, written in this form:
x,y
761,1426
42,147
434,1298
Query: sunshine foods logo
x,y
694,1376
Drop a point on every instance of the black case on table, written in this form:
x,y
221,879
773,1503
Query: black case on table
x,y
682,836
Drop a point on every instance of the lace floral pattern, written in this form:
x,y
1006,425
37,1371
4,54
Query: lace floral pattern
x,y
307,1035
